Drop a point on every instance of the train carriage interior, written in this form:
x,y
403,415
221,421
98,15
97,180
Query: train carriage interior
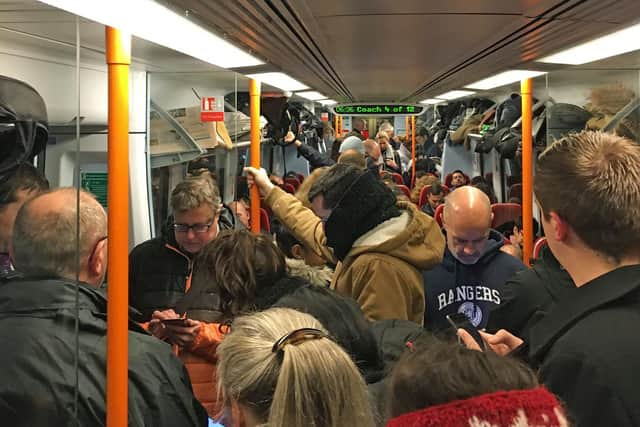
x,y
457,65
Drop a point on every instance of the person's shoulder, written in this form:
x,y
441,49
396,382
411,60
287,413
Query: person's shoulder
x,y
507,261
151,245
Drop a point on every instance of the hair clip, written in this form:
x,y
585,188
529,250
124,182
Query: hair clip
x,y
296,337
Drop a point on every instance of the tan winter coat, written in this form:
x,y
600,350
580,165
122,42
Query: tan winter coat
x,y
383,269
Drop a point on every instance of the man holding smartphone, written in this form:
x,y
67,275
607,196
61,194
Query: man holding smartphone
x,y
587,346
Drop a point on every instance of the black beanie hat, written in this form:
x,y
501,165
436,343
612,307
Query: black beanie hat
x,y
359,202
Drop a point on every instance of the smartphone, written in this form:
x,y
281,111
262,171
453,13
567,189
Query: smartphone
x,y
175,322
461,321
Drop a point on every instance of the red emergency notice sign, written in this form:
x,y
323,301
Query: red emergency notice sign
x,y
212,110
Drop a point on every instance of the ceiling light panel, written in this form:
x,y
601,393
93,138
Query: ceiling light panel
x,y
151,21
311,95
504,78
623,41
327,102
432,101
279,80
455,94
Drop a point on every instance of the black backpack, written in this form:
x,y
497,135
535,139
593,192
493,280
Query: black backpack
x,y
24,128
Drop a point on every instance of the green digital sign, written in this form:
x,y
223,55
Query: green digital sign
x,y
370,109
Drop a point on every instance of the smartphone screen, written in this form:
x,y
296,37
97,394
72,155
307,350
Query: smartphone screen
x,y
461,321
175,322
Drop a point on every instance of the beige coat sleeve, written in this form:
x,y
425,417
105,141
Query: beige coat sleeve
x,y
301,221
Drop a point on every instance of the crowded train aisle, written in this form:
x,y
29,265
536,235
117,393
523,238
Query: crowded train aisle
x,y
292,224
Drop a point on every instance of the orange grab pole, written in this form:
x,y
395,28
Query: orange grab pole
x,y
254,105
413,149
336,123
406,127
340,124
527,170
118,59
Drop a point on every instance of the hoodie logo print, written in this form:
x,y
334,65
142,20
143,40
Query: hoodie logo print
x,y
472,311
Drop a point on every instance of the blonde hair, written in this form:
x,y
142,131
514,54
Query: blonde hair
x,y
303,191
309,383
382,135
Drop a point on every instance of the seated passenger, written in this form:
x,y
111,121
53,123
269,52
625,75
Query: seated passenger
x,y
39,330
381,245
587,345
16,187
458,179
301,261
160,268
421,182
474,270
280,368
391,160
242,211
436,384
435,197
373,156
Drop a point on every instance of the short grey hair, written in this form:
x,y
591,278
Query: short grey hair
x,y
47,245
194,192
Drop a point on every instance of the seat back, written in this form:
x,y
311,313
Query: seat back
x,y
293,181
405,190
538,245
437,214
397,178
505,212
289,188
265,224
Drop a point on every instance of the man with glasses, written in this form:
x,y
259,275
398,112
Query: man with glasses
x,y
160,269
54,326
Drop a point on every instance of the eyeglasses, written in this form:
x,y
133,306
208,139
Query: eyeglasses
x,y
197,228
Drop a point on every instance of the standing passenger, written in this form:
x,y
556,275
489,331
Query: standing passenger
x,y
587,346
280,368
160,269
16,187
381,245
53,328
474,270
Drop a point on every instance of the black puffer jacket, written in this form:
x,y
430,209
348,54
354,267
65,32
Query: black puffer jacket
x,y
37,329
159,270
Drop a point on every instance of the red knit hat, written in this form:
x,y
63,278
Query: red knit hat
x,y
519,408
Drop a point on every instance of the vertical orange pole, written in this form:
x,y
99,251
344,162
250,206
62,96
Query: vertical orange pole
x,y
413,149
118,60
527,170
254,105
406,127
336,125
340,125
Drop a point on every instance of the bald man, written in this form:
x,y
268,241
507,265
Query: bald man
x,y
63,266
474,269
353,157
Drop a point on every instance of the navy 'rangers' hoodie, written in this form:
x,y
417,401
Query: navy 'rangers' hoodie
x,y
454,287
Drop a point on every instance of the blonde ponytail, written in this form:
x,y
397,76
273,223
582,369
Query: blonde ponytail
x,y
306,381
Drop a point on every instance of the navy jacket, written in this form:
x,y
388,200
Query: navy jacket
x,y
475,290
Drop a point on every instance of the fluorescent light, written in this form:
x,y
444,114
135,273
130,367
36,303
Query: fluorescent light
x,y
151,21
432,101
504,78
327,102
279,80
311,95
455,94
617,43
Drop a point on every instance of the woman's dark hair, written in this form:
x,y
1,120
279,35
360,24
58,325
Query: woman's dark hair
x,y
437,372
234,266
486,189
346,323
